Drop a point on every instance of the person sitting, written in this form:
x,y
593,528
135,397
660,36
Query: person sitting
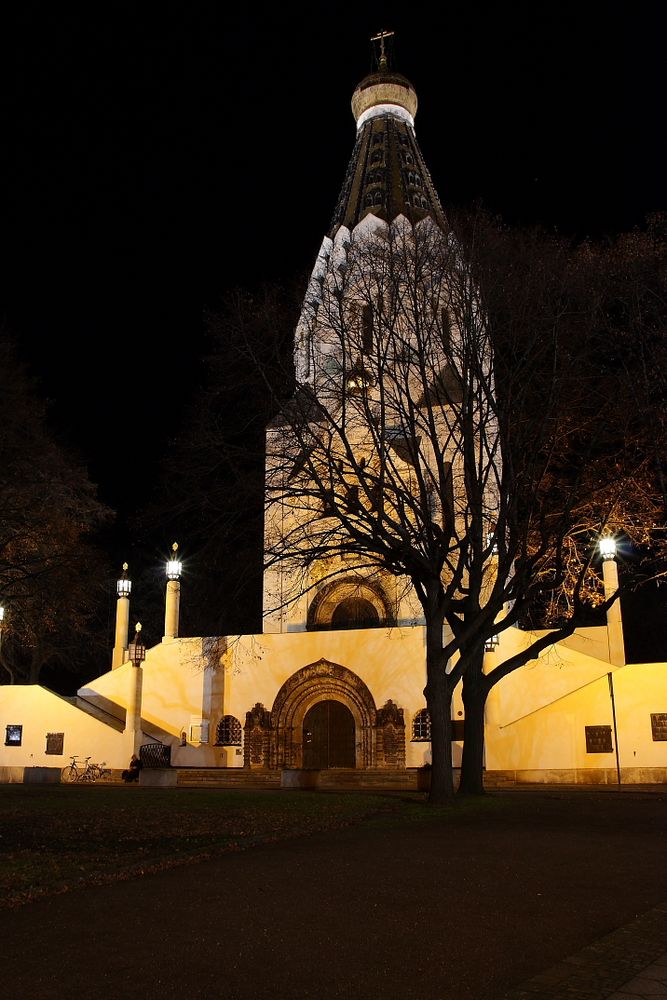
x,y
132,772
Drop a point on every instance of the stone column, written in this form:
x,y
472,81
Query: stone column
x,y
122,627
614,616
171,610
133,729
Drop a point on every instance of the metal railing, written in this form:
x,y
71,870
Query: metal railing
x,y
155,755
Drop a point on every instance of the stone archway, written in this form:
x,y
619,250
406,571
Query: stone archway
x,y
275,739
318,682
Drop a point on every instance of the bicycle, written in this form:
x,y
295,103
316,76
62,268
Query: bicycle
x,y
74,771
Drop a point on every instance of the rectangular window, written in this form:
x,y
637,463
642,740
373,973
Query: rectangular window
x,y
598,739
13,736
659,726
55,743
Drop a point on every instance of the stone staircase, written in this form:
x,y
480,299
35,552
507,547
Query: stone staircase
x,y
343,779
226,777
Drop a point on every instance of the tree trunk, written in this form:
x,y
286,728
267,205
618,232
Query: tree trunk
x,y
438,692
475,691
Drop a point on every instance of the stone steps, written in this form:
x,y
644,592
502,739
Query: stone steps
x,y
227,777
404,779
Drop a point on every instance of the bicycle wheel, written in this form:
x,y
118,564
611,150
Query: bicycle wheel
x,y
69,774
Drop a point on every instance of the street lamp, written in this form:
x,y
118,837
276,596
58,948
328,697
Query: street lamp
x,y
124,584
607,547
136,649
491,643
173,568
137,654
123,589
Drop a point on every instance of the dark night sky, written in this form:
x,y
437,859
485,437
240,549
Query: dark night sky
x,y
156,154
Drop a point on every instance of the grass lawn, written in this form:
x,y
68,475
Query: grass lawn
x,y
57,837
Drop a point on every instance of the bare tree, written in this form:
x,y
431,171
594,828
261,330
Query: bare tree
x,y
582,442
463,467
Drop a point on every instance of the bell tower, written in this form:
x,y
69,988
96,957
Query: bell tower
x,y
351,312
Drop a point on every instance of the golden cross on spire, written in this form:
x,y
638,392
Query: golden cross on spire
x,y
380,37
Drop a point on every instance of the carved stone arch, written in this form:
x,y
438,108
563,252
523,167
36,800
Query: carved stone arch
x,y
347,589
322,681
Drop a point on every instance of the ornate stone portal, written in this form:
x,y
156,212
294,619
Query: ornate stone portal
x,y
275,739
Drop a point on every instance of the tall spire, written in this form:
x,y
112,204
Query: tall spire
x,y
386,175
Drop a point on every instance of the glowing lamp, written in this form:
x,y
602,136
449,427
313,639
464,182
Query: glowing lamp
x,y
491,643
124,584
607,547
136,650
174,567
2,614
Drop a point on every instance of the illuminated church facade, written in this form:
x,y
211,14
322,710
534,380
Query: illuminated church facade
x,y
331,692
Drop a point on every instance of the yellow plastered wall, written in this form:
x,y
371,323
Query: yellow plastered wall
x,y
553,737
391,662
183,685
40,711
640,689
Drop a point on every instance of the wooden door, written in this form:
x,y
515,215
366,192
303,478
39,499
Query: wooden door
x,y
328,736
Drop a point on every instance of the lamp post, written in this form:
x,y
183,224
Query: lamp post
x,y
123,590
173,596
136,654
607,548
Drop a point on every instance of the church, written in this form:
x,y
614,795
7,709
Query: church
x,y
331,692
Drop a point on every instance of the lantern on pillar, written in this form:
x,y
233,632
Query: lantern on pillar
x,y
608,548
124,584
173,596
123,590
137,649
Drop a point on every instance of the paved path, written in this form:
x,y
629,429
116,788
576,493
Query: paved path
x,y
398,911
630,962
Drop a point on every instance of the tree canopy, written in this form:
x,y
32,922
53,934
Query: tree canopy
x,y
52,574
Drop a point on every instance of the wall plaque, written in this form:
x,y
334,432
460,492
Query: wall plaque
x,y
55,743
659,725
598,739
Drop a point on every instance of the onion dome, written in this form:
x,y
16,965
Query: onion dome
x,y
386,176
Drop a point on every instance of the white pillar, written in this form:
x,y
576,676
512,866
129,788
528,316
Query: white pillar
x,y
133,718
614,616
171,610
122,627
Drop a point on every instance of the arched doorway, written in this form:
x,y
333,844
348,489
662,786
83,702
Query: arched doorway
x,y
363,736
328,736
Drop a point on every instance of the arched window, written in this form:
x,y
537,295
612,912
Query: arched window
x,y
228,733
355,612
421,727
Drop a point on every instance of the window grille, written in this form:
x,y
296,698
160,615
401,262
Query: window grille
x,y
421,727
229,732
